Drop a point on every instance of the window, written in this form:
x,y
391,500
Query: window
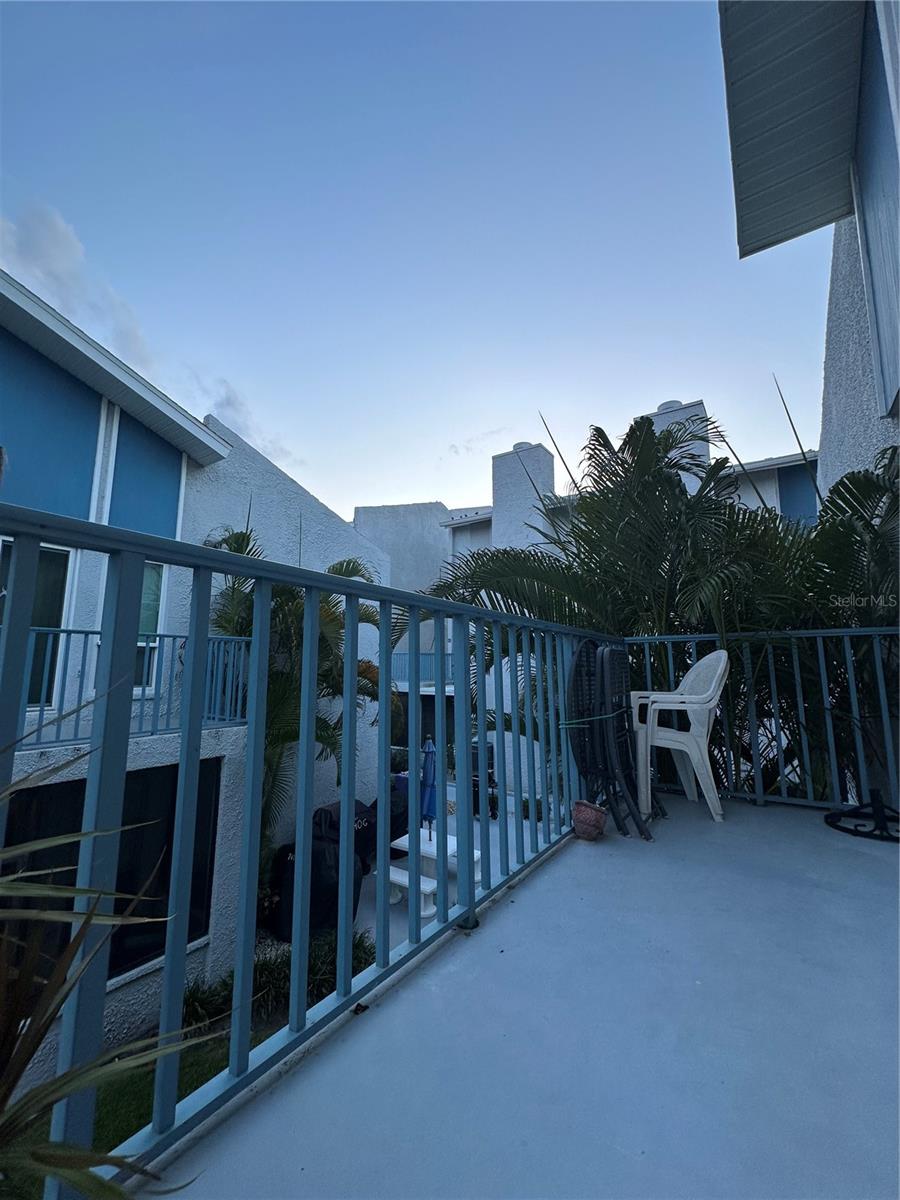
x,y
148,642
150,802
47,615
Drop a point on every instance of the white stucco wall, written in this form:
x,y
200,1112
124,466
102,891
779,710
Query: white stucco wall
x,y
516,476
767,484
854,428
132,999
413,537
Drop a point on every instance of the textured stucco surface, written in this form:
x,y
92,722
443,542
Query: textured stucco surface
x,y
132,1000
710,1015
516,475
854,428
412,536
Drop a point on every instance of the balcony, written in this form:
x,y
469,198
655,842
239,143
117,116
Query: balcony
x,y
60,665
710,1014
400,666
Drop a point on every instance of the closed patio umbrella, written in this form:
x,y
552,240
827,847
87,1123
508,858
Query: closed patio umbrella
x,y
429,794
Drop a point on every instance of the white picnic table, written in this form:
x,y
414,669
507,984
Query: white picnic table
x,y
428,848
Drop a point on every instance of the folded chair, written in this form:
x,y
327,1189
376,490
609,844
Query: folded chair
x,y
696,697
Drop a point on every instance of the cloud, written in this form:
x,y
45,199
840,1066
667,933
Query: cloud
x,y
43,251
232,409
472,444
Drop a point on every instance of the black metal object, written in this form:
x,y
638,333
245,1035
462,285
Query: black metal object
x,y
600,733
876,820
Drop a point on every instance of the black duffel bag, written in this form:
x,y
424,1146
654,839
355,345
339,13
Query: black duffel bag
x,y
324,883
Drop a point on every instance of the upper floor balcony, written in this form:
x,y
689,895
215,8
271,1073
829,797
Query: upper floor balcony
x,y
60,666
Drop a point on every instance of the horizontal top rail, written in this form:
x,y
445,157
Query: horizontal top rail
x,y
767,635
106,539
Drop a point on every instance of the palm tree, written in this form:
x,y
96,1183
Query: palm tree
x,y
634,551
232,616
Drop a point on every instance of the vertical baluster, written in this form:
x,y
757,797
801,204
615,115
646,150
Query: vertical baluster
x,y
383,782
242,994
484,804
414,800
141,684
779,749
347,847
863,796
14,643
754,728
801,719
164,643
81,1034
304,803
31,639
242,670
170,688
61,686
648,668
228,699
529,740
554,728
671,663
516,743
47,639
440,735
82,680
887,731
575,781
563,735
217,682
500,747
540,684
837,796
465,822
165,1093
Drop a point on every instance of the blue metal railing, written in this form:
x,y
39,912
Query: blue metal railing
x,y
57,704
427,666
515,652
807,716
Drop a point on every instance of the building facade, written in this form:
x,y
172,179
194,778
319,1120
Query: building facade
x,y
814,122
85,437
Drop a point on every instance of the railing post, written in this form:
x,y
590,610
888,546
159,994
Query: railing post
x,y
440,738
465,825
81,1036
303,810
347,844
181,875
484,804
414,790
383,801
500,747
14,638
242,994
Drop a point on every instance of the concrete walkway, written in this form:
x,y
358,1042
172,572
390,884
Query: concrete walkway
x,y
713,1015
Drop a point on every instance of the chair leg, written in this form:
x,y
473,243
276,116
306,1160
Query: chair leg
x,y
686,774
700,760
643,775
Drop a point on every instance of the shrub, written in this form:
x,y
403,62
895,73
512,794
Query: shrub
x,y
205,1004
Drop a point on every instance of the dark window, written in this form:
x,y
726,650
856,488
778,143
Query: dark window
x,y
149,802
49,597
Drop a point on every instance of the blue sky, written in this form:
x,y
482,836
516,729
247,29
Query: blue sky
x,y
378,239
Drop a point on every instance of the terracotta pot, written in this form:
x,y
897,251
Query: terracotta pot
x,y
589,820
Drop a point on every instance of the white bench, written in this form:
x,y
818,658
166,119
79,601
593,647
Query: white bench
x,y
427,888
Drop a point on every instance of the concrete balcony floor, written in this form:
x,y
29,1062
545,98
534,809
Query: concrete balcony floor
x,y
709,1016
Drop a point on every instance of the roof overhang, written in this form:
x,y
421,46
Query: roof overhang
x,y
33,321
791,84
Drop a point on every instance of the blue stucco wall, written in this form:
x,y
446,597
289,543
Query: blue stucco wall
x,y
797,493
878,210
146,481
48,429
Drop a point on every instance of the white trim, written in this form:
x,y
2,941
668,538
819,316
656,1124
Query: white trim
x,y
98,459
110,466
179,518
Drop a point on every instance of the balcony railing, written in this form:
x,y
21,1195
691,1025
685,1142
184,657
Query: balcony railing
x,y
427,666
514,662
58,705
807,717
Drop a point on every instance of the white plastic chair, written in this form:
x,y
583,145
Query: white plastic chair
x,y
698,696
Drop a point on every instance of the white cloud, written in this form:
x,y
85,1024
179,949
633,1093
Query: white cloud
x,y
43,251
233,409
